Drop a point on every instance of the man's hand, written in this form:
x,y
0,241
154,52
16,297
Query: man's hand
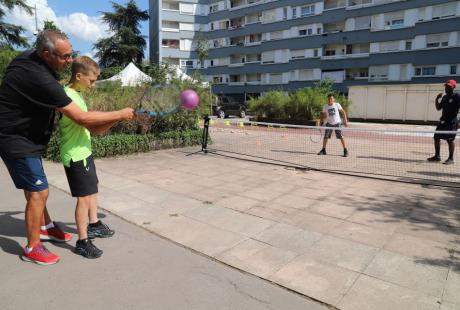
x,y
439,96
127,114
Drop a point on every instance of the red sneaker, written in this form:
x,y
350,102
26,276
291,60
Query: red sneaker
x,y
40,255
55,234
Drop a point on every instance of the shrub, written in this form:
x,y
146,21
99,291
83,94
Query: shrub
x,y
123,144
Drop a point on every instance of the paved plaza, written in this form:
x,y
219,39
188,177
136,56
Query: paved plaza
x,y
352,243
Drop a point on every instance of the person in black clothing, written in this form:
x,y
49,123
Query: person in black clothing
x,y
29,96
450,105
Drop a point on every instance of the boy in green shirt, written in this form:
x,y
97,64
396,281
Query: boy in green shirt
x,y
76,155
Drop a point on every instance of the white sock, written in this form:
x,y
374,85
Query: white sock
x,y
50,225
27,249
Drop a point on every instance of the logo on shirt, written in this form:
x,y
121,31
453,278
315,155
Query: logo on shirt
x,y
38,182
87,168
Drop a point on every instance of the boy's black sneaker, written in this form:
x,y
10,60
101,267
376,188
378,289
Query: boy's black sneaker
x,y
322,152
345,153
87,249
99,230
449,161
434,158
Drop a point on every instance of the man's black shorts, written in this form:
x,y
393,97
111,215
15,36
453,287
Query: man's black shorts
x,y
82,177
447,126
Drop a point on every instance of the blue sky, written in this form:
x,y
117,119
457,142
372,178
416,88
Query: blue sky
x,y
80,20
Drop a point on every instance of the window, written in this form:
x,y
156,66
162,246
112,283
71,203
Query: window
x,y
285,10
390,46
408,45
444,10
307,10
212,63
453,69
213,8
422,71
186,63
212,26
294,12
297,54
268,57
315,53
304,32
437,40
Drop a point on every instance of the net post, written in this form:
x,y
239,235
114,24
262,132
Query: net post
x,y
204,139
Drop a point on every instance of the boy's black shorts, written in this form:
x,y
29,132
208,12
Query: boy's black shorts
x,y
82,178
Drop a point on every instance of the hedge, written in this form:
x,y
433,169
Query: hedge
x,y
123,144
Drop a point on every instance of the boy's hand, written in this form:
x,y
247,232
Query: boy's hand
x,y
127,114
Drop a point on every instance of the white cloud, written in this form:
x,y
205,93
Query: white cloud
x,y
78,25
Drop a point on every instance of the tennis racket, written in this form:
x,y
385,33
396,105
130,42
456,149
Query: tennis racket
x,y
315,134
159,100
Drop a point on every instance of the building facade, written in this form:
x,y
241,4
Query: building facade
x,y
259,45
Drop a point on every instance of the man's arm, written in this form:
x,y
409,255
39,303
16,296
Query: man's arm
x,y
437,103
344,116
93,118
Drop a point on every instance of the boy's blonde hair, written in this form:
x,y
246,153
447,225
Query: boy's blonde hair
x,y
84,65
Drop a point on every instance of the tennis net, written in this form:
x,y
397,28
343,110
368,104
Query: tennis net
x,y
395,154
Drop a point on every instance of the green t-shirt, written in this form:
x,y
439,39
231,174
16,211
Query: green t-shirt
x,y
75,141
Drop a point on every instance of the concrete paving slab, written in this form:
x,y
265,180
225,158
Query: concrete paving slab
x,y
312,221
342,253
452,289
256,257
315,279
227,219
361,233
380,295
417,247
289,238
407,272
237,203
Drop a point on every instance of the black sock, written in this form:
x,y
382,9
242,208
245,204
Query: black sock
x,y
95,224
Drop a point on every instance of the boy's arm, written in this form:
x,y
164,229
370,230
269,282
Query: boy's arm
x,y
88,119
100,129
344,116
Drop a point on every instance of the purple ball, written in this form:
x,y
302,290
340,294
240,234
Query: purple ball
x,y
189,99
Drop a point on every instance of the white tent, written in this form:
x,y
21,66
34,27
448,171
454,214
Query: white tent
x,y
178,73
130,76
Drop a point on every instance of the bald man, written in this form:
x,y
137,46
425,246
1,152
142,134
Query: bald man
x,y
29,97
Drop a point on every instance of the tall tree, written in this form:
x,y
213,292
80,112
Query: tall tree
x,y
127,44
11,34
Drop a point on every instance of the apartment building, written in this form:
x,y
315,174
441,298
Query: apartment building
x,y
259,45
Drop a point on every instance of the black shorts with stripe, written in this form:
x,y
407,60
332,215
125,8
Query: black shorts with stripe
x,y
82,177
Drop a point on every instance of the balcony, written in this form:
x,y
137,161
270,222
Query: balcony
x,y
170,6
237,41
170,44
254,39
358,4
236,23
357,74
339,51
334,27
170,26
254,18
334,4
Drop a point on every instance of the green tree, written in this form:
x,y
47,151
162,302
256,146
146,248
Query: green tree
x,y
11,34
127,44
50,25
201,48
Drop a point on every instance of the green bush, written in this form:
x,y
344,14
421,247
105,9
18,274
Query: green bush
x,y
303,104
123,144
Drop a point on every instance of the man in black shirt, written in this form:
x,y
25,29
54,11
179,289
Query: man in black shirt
x,y
29,96
450,105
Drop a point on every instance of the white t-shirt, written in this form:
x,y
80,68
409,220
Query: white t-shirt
x,y
332,111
